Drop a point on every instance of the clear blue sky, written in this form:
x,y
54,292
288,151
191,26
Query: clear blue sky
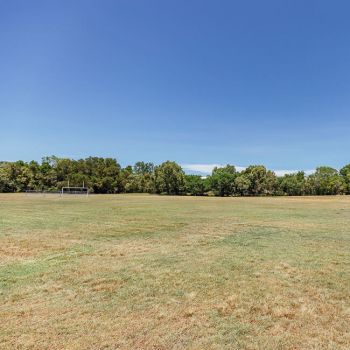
x,y
195,81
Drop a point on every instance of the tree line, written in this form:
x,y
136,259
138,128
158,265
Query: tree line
x,y
105,175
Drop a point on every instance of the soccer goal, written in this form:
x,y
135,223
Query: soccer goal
x,y
69,190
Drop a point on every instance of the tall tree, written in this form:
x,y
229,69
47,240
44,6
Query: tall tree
x,y
195,185
169,178
262,181
326,181
345,173
222,180
242,185
292,184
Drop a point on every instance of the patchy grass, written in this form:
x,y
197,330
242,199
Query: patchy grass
x,y
153,272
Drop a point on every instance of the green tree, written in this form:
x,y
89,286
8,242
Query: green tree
x,y
292,184
345,173
143,168
222,180
142,180
15,176
195,185
327,181
169,178
6,184
242,185
262,181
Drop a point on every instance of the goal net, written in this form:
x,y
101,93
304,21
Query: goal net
x,y
84,191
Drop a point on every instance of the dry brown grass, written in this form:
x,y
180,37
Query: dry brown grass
x,y
148,272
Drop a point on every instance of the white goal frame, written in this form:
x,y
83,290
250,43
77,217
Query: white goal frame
x,y
75,190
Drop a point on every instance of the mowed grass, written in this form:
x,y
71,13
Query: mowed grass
x,y
157,272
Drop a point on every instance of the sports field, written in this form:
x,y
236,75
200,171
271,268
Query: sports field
x,y
159,272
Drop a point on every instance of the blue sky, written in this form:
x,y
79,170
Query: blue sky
x,y
198,82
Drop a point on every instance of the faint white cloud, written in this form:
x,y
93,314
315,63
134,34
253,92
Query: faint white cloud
x,y
208,168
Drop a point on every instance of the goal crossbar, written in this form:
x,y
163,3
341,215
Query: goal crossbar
x,y
75,190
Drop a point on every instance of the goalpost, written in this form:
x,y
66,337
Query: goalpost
x,y
72,190
77,190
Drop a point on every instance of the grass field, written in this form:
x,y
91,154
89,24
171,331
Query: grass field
x,y
157,272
